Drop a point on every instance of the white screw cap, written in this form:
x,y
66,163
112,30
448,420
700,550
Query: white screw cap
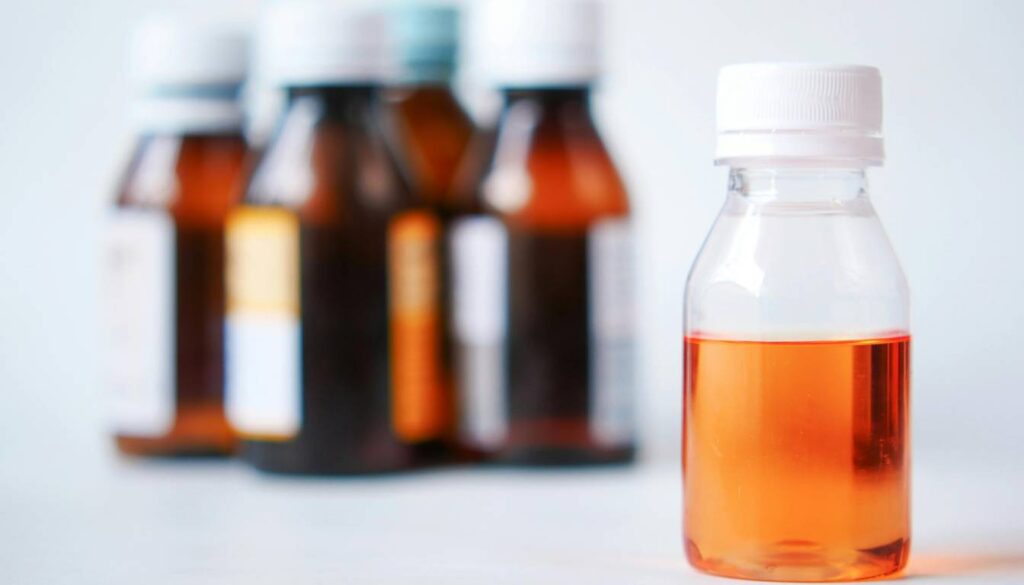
x,y
539,43
799,111
318,42
172,52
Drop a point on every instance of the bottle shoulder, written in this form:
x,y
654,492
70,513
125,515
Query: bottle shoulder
x,y
431,134
194,177
826,267
550,168
327,163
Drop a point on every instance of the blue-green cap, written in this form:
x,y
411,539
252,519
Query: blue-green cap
x,y
426,40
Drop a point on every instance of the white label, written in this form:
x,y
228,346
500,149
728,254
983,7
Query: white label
x,y
479,255
263,376
139,300
263,335
480,280
610,258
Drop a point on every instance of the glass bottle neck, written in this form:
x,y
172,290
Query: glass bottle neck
x,y
334,94
428,91
549,96
798,184
440,78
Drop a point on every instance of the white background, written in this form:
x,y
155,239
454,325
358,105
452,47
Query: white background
x,y
953,75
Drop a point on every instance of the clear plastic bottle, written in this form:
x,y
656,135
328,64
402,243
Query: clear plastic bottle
x,y
796,440
542,270
333,324
165,280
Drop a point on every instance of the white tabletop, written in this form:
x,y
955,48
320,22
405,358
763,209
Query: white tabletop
x,y
219,522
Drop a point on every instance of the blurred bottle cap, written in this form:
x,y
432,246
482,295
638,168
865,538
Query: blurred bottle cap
x,y
317,42
425,41
176,52
540,42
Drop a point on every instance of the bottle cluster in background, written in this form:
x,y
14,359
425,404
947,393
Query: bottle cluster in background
x,y
383,285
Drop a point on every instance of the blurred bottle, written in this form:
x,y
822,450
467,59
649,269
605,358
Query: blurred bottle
x,y
431,130
797,348
333,326
542,274
164,264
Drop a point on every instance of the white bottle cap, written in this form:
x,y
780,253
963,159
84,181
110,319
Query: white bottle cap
x,y
540,43
174,53
799,111
187,74
324,42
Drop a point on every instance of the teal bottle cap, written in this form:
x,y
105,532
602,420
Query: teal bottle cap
x,y
425,41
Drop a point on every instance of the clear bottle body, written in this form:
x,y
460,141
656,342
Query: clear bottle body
x,y
796,437
542,280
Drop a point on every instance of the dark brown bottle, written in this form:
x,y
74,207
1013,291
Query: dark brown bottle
x,y
165,279
542,278
334,333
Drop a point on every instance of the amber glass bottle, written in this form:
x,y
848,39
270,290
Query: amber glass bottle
x,y
430,126
333,327
164,262
542,277
431,133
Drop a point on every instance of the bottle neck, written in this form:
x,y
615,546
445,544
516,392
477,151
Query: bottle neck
x,y
334,94
555,97
434,92
185,110
426,74
798,184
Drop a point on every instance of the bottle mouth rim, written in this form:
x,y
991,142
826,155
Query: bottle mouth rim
x,y
864,148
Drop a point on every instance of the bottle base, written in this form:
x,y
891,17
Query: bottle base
x,y
173,448
299,458
197,432
803,561
554,456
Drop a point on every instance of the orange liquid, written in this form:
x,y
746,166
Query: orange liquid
x,y
796,458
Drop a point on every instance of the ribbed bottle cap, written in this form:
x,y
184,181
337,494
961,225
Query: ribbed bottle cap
x,y
540,43
799,111
171,52
425,41
316,42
